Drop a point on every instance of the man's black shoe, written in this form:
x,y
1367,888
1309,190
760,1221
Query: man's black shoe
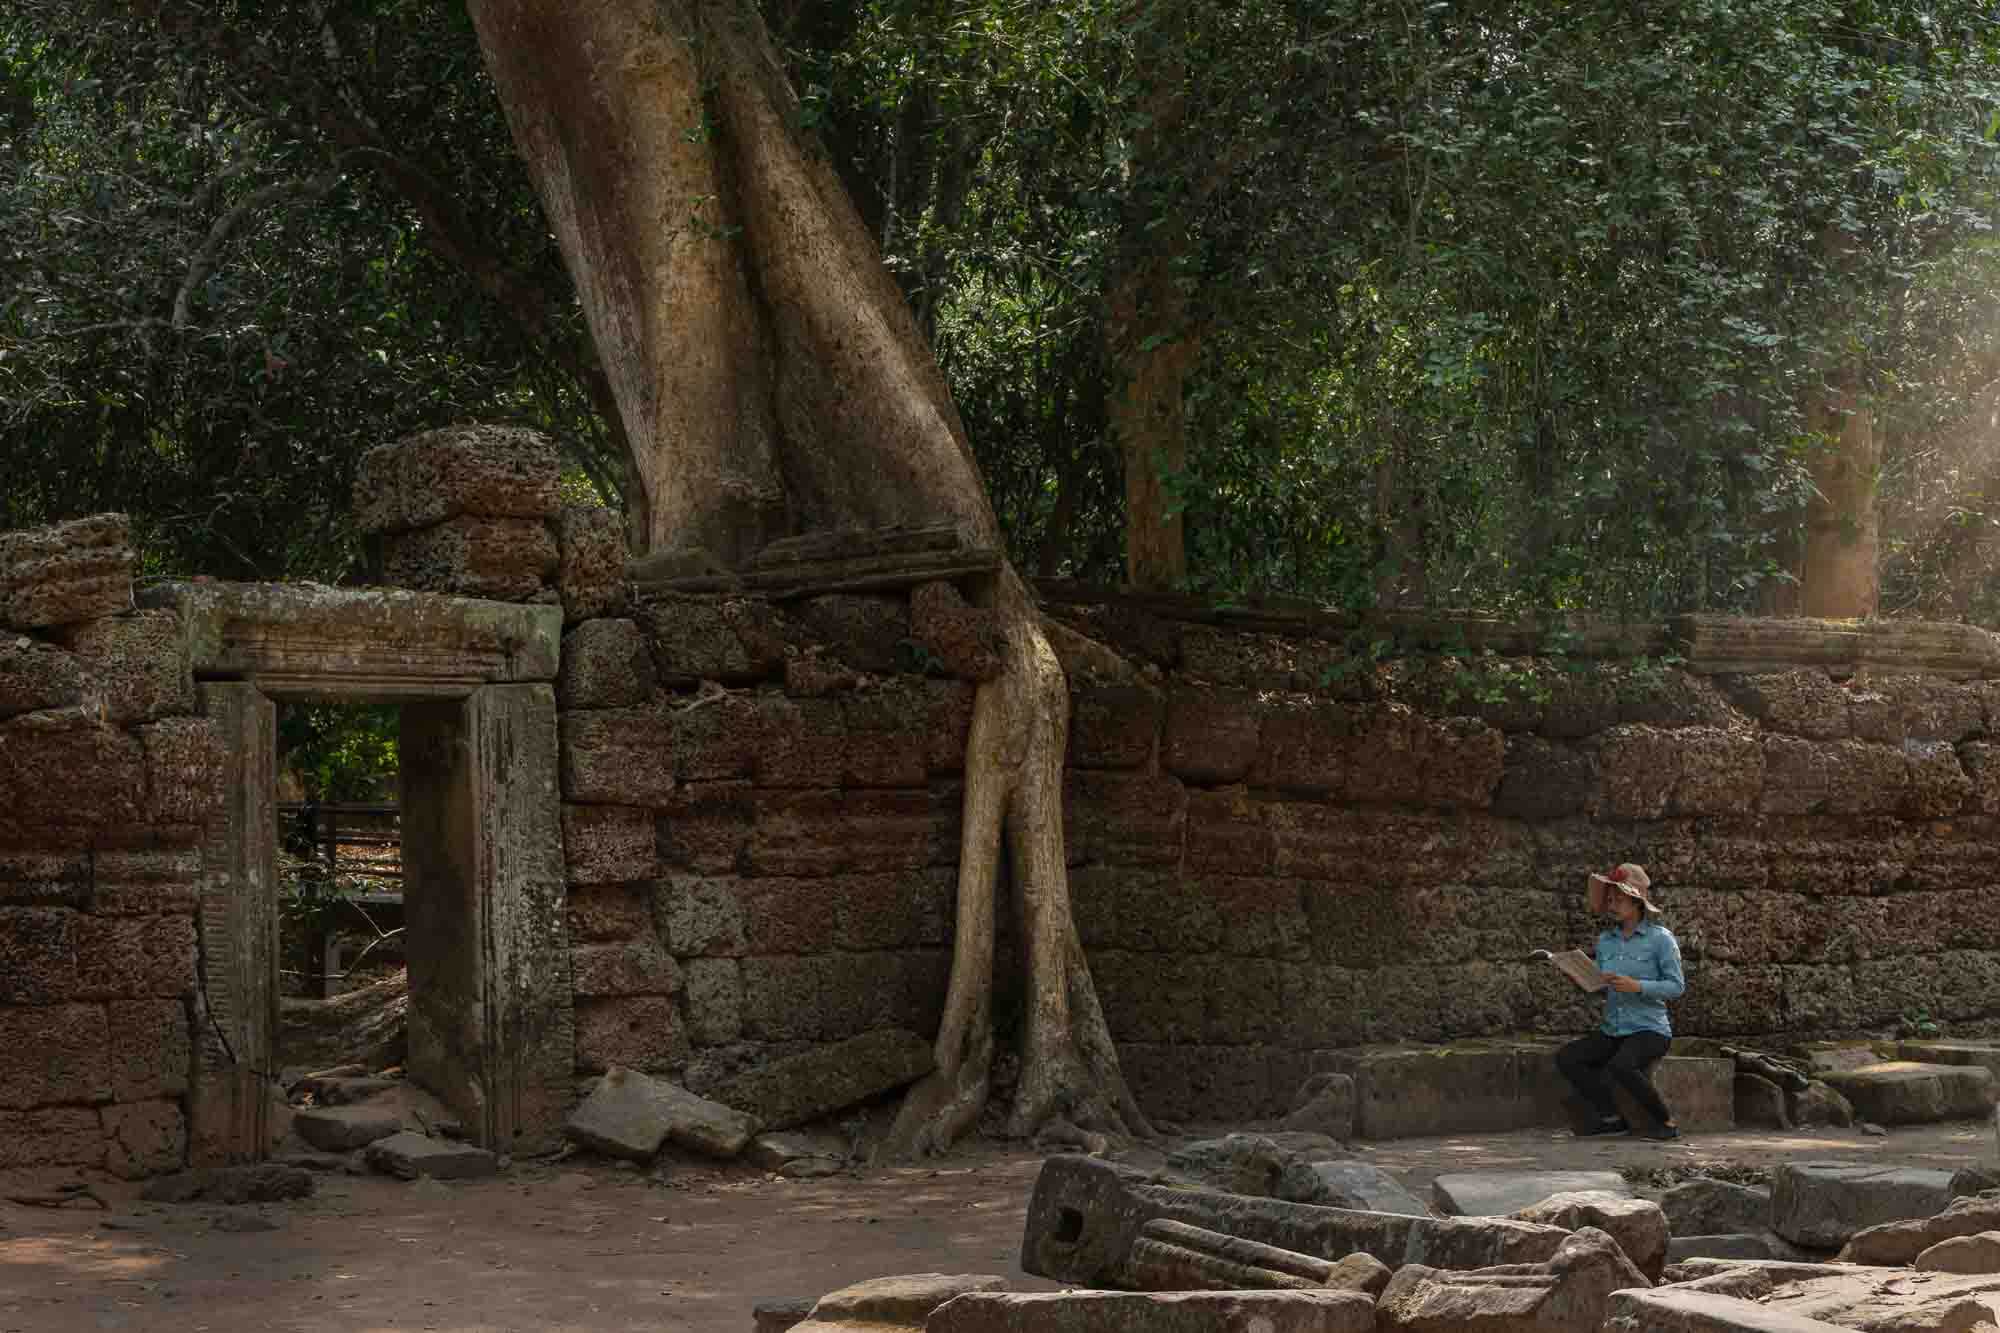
x,y
1609,1125
1663,1133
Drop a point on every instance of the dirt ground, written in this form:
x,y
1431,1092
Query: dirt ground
x,y
583,1245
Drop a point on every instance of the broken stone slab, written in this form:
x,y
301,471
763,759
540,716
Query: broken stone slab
x,y
1568,1293
342,1128
1368,1188
1963,1254
1821,1204
1905,1092
409,1155
66,573
1902,1241
1704,1206
1158,1312
819,1082
631,1115
1985,1054
1504,1193
262,1182
1677,1310
887,1303
488,471
775,1152
1324,1104
1879,1299
1638,1225
1085,1216
1760,1102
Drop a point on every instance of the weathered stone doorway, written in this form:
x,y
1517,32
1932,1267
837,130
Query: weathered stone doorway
x,y
491,1031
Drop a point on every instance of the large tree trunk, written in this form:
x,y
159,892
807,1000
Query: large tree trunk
x,y
772,380
1149,351
1840,577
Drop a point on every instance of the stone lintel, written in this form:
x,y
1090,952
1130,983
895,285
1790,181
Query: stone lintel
x,y
1718,645
310,641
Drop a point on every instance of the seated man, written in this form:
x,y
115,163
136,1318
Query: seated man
x,y
1642,965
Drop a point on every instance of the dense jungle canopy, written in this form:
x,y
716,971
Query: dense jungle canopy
x,y
1508,305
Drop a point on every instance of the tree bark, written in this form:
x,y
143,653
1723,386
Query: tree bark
x,y
1840,577
1150,350
772,381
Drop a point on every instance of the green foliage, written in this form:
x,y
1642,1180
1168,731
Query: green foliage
x,y
341,752
228,270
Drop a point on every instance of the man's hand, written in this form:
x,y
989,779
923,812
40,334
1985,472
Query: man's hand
x,y
1630,985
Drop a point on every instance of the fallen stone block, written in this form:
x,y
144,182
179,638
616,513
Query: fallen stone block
x,y
344,1128
263,1182
1324,1104
1760,1103
67,573
631,1115
1359,1272
489,471
1504,1193
343,1090
1366,1188
1676,1310
1819,1104
775,1152
882,1304
1085,1216
1904,1092
1569,1293
1705,1206
1963,1254
1821,1204
1902,1241
409,1155
832,1078
1638,1225
1174,1256
778,1315
1249,1164
1724,1245
1158,1312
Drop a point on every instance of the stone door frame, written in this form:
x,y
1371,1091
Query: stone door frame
x,y
492,1027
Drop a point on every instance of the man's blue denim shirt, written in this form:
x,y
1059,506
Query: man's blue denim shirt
x,y
1653,957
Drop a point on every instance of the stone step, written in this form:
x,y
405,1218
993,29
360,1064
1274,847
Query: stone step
x,y
1495,1086
1910,1092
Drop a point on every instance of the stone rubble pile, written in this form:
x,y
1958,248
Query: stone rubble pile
x,y
1147,1253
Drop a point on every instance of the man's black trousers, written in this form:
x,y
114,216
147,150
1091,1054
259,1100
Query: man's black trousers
x,y
1591,1063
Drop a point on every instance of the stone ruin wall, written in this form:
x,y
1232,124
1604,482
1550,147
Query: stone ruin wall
x,y
1289,833
106,780
1279,846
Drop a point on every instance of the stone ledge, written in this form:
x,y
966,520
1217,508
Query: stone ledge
x,y
1491,1087
307,640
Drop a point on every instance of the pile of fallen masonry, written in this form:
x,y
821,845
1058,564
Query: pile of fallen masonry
x,y
1866,1247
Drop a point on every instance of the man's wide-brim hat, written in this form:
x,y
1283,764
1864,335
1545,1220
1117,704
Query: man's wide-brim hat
x,y
1627,879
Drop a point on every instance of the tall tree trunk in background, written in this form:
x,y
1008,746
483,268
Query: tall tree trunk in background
x,y
1840,577
1401,579
1150,344
1149,351
772,380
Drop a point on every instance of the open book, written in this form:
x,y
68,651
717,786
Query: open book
x,y
1576,965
